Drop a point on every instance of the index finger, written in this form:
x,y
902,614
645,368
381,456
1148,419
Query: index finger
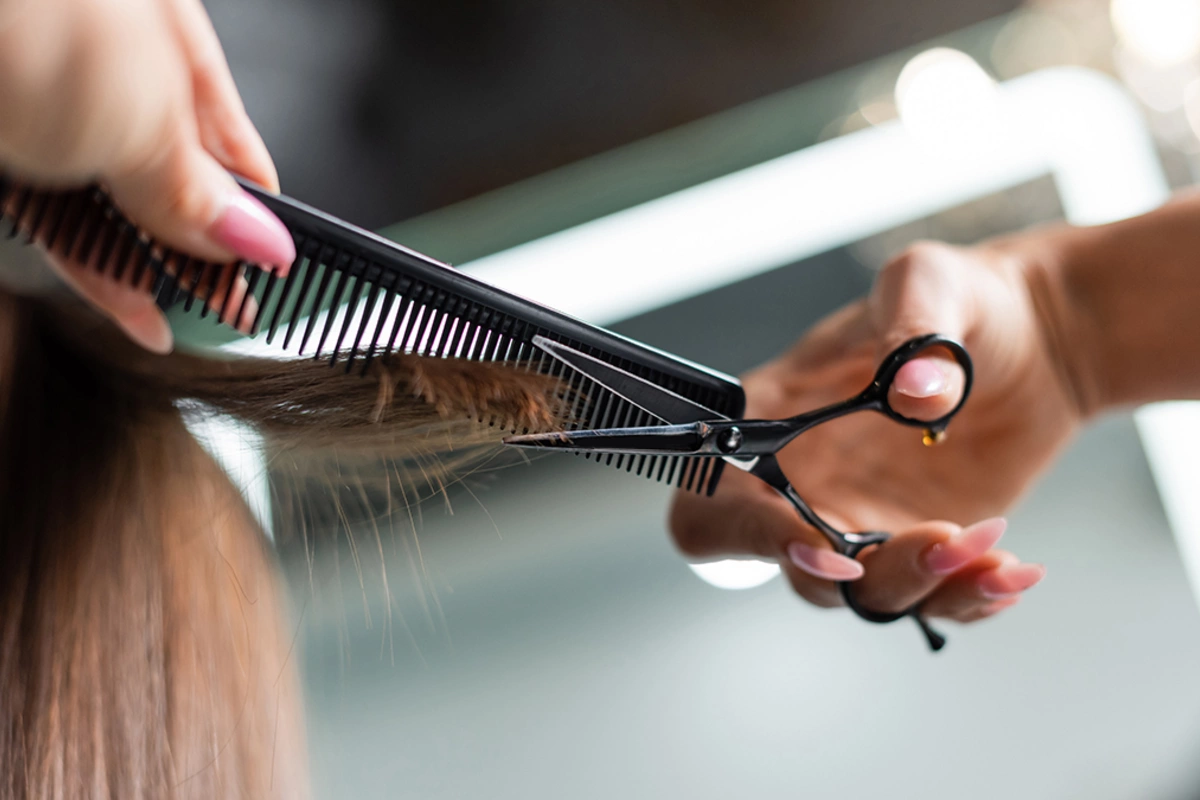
x,y
225,129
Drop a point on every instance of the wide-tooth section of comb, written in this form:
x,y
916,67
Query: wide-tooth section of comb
x,y
353,297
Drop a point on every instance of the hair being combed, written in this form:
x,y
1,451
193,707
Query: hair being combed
x,y
145,645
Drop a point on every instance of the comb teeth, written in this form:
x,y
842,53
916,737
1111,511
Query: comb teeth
x,y
352,297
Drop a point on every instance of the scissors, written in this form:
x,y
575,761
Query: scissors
x,y
691,429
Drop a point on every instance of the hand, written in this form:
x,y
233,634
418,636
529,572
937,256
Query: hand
x,y
865,472
137,94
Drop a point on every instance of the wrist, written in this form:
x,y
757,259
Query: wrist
x,y
1118,306
1052,264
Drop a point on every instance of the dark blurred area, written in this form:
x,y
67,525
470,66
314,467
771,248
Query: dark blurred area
x,y
377,111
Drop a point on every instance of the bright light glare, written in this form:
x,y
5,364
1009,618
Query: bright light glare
x,y
947,102
736,574
1158,31
238,449
1191,105
1160,87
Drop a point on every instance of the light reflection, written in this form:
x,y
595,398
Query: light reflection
x,y
736,573
1191,106
1033,40
1160,87
1160,32
947,102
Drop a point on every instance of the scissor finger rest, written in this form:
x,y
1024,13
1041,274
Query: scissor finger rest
x,y
767,470
936,640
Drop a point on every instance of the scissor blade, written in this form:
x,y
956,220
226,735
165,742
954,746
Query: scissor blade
x,y
651,441
660,403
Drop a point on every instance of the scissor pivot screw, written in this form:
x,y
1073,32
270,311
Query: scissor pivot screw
x,y
933,438
730,441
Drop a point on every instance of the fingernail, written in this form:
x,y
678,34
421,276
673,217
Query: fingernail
x,y
252,232
821,562
965,546
1002,583
920,377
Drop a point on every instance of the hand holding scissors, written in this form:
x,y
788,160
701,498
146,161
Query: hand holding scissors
x,y
750,445
865,472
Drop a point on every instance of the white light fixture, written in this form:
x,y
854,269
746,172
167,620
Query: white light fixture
x,y
948,104
1160,32
736,573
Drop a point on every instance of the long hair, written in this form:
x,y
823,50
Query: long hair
x,y
145,640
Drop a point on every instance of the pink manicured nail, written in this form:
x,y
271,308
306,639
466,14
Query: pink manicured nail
x,y
920,377
965,546
1002,583
252,232
821,562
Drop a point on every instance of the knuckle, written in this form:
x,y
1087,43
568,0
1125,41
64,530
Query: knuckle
x,y
205,56
207,62
189,199
918,256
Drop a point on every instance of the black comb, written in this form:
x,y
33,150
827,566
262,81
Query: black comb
x,y
380,297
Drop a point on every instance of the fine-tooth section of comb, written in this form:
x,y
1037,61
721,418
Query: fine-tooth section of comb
x,y
353,297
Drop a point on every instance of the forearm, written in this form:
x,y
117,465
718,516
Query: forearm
x,y
1120,306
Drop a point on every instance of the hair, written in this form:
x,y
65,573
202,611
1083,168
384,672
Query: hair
x,y
145,639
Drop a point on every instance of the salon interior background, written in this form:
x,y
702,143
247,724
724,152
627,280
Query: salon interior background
x,y
392,109
400,115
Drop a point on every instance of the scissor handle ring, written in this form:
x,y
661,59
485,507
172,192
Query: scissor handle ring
x,y
906,352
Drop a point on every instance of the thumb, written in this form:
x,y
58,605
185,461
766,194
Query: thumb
x,y
922,292
184,198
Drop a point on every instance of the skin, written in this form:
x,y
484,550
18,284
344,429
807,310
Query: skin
x,y
1059,334
135,94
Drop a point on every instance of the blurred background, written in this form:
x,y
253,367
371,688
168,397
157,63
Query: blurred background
x,y
531,633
